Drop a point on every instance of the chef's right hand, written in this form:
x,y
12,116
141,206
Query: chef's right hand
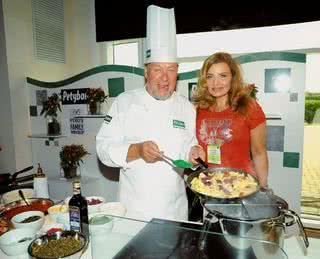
x,y
149,151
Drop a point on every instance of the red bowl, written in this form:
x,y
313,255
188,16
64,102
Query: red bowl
x,y
16,207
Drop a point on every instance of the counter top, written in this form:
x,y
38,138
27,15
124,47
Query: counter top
x,y
134,238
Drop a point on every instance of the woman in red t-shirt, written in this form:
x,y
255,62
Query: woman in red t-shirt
x,y
231,126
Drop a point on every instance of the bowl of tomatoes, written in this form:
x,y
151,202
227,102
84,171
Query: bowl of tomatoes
x,y
94,203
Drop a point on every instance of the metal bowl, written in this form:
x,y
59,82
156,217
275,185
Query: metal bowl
x,y
56,236
16,207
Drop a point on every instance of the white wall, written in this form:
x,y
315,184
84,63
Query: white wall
x,y
301,36
313,75
7,157
81,54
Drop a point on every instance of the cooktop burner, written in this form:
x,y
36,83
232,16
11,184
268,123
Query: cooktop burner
x,y
168,239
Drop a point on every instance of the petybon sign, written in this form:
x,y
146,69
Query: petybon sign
x,y
74,96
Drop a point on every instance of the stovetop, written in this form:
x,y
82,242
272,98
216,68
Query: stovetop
x,y
175,240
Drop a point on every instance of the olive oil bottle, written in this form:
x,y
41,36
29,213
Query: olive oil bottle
x,y
78,210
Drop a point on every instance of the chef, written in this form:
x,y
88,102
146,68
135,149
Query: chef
x,y
145,123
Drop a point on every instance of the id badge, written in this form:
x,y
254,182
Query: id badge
x,y
214,154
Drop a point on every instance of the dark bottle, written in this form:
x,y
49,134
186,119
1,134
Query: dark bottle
x,y
78,210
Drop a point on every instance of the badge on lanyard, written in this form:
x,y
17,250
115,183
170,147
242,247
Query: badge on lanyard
x,y
214,154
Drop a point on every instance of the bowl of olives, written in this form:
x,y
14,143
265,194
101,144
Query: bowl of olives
x,y
29,219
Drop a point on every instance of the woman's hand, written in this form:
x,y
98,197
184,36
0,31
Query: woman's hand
x,y
196,152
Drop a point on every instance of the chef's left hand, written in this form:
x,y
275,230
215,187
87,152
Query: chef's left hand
x,y
196,152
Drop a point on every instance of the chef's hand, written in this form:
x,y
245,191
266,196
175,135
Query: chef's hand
x,y
149,151
196,152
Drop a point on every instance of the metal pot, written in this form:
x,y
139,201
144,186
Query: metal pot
x,y
268,229
268,225
260,216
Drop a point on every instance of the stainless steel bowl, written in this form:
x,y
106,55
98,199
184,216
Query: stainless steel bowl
x,y
56,236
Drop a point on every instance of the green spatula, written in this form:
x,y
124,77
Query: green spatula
x,y
179,162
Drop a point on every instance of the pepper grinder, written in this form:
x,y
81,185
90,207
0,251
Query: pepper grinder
x,y
40,184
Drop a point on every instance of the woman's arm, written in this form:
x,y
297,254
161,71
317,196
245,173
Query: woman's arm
x,y
259,153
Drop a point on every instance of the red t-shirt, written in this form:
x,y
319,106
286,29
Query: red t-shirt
x,y
233,131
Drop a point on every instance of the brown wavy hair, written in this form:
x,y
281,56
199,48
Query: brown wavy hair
x,y
240,94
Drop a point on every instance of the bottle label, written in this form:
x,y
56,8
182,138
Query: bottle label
x,y
74,215
76,187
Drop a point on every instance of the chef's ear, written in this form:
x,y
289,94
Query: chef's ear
x,y
145,73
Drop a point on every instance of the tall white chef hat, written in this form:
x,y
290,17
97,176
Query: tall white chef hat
x,y
161,35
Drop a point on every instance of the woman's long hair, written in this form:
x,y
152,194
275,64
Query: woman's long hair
x,y
239,95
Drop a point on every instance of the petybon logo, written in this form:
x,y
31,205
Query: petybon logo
x,y
74,96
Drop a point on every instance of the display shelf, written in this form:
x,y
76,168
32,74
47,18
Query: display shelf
x,y
90,116
60,187
46,136
83,179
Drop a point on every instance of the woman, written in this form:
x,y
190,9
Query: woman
x,y
231,126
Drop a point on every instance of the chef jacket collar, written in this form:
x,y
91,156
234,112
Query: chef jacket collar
x,y
150,101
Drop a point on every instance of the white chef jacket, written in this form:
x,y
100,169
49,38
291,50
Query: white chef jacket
x,y
149,190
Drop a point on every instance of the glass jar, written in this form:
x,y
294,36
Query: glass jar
x,y
99,227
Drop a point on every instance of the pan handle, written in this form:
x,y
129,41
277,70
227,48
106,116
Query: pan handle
x,y
14,176
202,163
296,219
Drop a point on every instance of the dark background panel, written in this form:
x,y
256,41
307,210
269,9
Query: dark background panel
x,y
116,19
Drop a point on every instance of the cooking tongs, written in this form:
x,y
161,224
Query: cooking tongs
x,y
202,163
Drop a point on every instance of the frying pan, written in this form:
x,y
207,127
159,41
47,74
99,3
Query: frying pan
x,y
10,182
218,170
7,178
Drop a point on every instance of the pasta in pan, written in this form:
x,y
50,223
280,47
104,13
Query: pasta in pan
x,y
224,184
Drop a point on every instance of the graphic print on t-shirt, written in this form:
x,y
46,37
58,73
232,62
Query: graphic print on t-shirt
x,y
215,131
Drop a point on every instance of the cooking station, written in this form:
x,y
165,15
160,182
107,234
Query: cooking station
x,y
251,226
243,235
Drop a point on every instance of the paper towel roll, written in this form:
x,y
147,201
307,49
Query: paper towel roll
x,y
40,186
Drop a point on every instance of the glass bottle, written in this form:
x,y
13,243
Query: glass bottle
x,y
78,210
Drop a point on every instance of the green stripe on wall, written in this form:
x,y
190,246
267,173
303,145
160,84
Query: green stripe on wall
x,y
282,56
188,75
90,72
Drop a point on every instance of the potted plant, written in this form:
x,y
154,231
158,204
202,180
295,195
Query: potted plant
x,y
95,96
50,108
70,158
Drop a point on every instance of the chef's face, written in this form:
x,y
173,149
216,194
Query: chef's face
x,y
219,80
161,79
